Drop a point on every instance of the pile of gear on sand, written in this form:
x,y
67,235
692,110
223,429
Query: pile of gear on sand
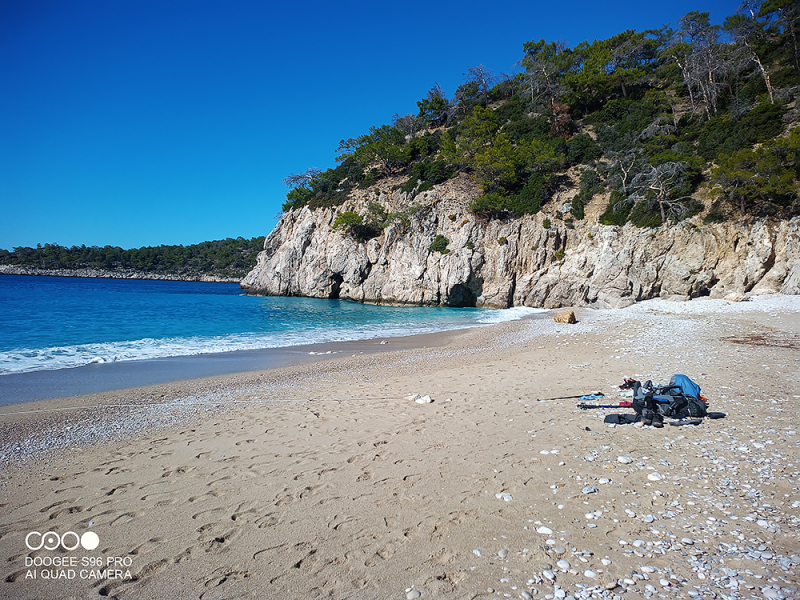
x,y
679,402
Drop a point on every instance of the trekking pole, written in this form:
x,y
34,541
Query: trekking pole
x,y
584,406
591,396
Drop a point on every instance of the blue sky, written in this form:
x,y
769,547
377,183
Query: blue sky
x,y
139,122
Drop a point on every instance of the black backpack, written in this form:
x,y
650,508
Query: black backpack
x,y
653,401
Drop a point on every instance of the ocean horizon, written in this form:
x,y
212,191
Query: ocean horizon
x,y
54,323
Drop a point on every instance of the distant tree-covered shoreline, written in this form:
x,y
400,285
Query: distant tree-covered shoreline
x,y
229,258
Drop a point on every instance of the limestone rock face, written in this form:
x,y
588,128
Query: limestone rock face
x,y
503,263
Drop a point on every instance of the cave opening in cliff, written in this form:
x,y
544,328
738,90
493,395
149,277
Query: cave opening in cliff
x,y
461,297
336,286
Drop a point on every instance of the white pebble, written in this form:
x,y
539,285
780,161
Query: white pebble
x,y
544,530
589,573
563,565
655,476
504,496
476,552
526,595
503,553
413,594
625,460
663,582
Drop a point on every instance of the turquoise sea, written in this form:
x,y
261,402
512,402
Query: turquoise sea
x,y
49,323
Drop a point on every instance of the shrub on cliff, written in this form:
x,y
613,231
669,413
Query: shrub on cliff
x,y
763,181
354,225
440,244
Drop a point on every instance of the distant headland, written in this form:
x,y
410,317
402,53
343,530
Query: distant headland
x,y
221,260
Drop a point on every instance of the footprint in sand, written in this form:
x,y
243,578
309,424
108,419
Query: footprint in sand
x,y
59,503
69,510
143,575
119,488
147,546
224,575
125,518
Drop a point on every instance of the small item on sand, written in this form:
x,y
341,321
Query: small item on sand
x,y
419,399
680,422
585,406
566,316
504,496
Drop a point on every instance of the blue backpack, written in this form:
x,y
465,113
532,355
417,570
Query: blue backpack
x,y
688,387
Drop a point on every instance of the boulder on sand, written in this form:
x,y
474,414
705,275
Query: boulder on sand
x,y
566,316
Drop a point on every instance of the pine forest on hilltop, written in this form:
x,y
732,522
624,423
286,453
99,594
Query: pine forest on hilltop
x,y
228,259
650,118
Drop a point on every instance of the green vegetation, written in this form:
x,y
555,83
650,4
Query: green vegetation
x,y
440,244
589,186
648,116
229,258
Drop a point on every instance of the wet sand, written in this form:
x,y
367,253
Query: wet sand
x,y
322,481
113,376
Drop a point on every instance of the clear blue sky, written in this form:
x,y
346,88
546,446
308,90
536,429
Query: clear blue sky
x,y
146,122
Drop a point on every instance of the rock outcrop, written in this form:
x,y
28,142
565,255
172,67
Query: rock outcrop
x,y
519,262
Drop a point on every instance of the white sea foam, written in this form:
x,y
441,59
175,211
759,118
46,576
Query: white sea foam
x,y
23,360
509,314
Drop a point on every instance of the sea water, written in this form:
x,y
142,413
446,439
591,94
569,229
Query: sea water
x,y
51,323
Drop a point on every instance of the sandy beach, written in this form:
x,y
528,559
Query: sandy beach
x,y
321,480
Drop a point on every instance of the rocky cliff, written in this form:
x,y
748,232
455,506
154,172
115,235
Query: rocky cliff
x,y
519,262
